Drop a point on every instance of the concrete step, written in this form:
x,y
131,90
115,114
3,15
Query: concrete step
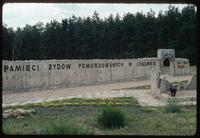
x,y
182,99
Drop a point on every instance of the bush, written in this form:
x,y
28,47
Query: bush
x,y
112,118
172,108
62,126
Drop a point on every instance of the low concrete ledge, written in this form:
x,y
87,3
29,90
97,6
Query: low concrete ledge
x,y
181,99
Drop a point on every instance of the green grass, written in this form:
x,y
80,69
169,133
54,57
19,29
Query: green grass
x,y
172,107
64,126
83,120
111,118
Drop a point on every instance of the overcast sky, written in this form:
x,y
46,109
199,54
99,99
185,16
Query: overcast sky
x,y
20,14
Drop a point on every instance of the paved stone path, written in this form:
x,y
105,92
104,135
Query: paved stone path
x,y
144,97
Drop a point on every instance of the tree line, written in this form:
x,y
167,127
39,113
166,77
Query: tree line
x,y
130,36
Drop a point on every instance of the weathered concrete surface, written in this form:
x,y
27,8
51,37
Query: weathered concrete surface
x,y
166,53
192,84
155,83
193,69
165,85
44,74
178,66
177,78
170,55
182,66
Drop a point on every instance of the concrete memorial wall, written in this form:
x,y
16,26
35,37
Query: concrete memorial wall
x,y
182,66
43,74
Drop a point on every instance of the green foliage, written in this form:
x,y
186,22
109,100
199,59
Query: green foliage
x,y
122,101
131,36
64,126
180,82
111,118
172,107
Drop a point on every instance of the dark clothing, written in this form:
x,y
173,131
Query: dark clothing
x,y
173,91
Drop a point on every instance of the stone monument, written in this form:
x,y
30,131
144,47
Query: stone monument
x,y
170,55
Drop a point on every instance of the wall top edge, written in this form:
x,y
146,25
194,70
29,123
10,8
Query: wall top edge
x,y
182,59
80,60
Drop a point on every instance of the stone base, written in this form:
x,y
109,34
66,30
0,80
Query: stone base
x,y
182,97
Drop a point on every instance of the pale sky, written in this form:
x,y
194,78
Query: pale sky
x,y
20,14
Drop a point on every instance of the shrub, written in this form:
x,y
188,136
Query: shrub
x,y
111,118
62,126
172,108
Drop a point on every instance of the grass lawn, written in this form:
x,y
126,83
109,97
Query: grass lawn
x,y
79,116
